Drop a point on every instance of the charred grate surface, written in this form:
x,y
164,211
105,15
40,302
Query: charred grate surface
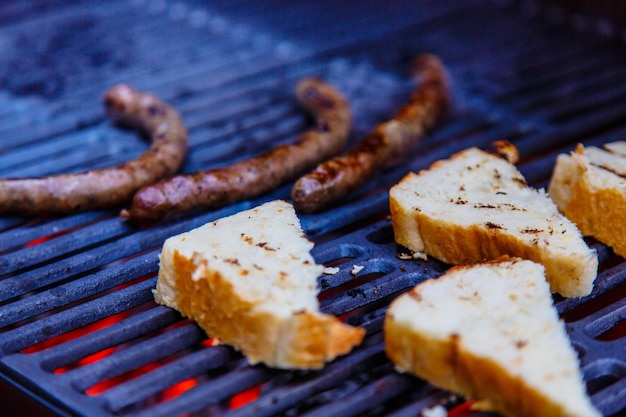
x,y
78,327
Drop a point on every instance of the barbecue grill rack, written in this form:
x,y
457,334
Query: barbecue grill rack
x,y
79,331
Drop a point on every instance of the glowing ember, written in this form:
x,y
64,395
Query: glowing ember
x,y
85,361
76,333
109,383
245,397
462,410
211,341
46,238
37,241
179,388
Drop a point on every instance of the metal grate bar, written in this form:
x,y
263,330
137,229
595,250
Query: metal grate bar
x,y
191,365
207,395
14,238
92,258
131,357
575,131
30,334
33,305
138,325
281,398
46,251
368,397
612,398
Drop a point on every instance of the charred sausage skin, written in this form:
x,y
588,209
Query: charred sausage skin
x,y
337,177
252,177
110,187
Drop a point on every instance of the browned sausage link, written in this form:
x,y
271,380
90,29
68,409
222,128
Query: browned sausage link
x,y
252,177
340,176
110,187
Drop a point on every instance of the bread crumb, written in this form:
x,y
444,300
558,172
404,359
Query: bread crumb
x,y
356,269
436,411
420,255
413,255
330,270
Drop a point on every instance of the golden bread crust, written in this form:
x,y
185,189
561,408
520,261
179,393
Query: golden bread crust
x,y
452,238
482,331
598,208
458,245
445,364
302,341
227,307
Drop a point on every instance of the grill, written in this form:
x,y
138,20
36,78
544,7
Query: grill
x,y
79,331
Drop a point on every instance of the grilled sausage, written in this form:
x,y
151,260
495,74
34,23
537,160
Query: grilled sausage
x,y
110,187
339,176
252,177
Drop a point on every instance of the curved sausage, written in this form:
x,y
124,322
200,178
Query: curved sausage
x,y
110,187
252,177
339,176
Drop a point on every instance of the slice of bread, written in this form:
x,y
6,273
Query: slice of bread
x,y
476,206
490,332
250,280
589,187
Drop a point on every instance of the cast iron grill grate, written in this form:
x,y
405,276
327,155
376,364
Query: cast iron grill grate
x,y
78,327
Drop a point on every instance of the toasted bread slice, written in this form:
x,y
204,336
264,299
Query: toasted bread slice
x,y
250,280
476,206
490,332
589,187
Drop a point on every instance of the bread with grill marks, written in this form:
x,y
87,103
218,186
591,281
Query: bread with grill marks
x,y
490,332
249,279
476,206
589,187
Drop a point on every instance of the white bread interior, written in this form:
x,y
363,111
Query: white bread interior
x,y
476,206
589,187
250,280
490,332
